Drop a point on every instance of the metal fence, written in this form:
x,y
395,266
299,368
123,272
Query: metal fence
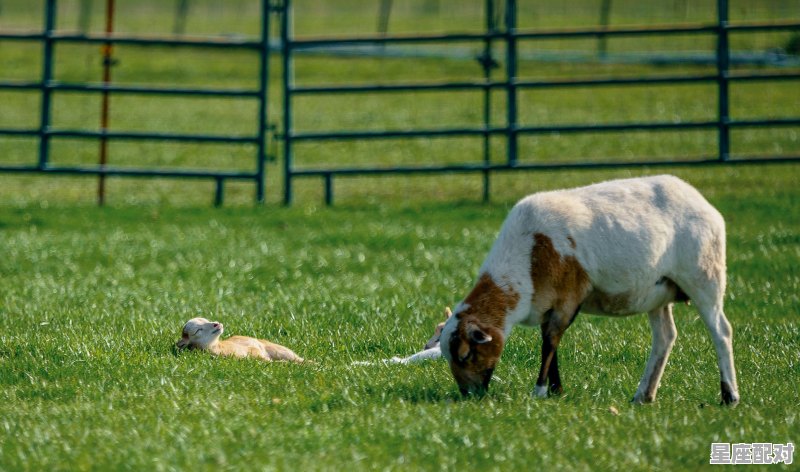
x,y
49,37
509,36
498,33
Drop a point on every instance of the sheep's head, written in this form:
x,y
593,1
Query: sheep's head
x,y
473,338
437,334
473,351
199,333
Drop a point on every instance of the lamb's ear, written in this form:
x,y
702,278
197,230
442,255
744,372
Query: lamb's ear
x,y
182,343
477,335
447,312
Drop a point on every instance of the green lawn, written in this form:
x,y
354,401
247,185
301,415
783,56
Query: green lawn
x,y
93,299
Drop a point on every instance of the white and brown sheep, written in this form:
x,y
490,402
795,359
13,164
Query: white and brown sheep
x,y
615,248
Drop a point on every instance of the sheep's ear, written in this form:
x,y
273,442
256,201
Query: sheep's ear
x,y
447,312
477,335
182,343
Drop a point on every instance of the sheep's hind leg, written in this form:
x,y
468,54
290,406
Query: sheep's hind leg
x,y
722,335
662,327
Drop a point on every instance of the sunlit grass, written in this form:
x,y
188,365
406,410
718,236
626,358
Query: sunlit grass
x,y
92,299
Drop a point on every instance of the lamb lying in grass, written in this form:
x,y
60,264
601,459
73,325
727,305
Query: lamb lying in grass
x,y
431,350
199,333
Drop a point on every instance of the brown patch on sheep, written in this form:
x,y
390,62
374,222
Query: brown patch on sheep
x,y
489,302
559,283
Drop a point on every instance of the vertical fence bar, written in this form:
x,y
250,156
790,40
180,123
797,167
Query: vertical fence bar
x,y
287,102
219,191
85,16
104,104
605,18
487,61
328,189
511,76
181,12
723,59
263,94
50,10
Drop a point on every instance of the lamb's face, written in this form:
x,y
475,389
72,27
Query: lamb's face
x,y
199,333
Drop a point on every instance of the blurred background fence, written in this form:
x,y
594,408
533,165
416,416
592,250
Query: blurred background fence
x,y
388,87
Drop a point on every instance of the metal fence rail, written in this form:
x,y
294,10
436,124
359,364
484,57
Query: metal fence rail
x,y
46,86
510,36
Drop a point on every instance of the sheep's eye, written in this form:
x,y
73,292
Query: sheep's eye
x,y
198,330
466,357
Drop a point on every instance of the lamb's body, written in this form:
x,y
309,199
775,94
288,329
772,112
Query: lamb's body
x,y
200,333
244,346
615,248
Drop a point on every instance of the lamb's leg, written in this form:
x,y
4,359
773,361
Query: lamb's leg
x,y
662,327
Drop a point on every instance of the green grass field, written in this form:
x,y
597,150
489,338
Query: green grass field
x,y
93,299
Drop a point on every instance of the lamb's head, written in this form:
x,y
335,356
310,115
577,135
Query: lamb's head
x,y
199,333
437,334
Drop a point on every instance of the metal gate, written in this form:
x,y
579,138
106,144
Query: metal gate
x,y
510,36
497,31
49,37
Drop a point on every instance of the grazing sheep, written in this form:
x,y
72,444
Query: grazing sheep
x,y
615,248
199,333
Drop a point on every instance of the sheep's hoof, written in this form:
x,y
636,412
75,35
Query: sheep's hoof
x,y
641,399
729,397
540,391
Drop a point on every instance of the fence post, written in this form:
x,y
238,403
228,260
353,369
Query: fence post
x,y
219,191
328,189
263,94
85,16
181,12
605,18
488,63
511,77
50,9
287,102
105,104
723,60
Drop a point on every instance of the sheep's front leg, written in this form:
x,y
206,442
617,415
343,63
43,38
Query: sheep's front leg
x,y
552,330
664,333
549,368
